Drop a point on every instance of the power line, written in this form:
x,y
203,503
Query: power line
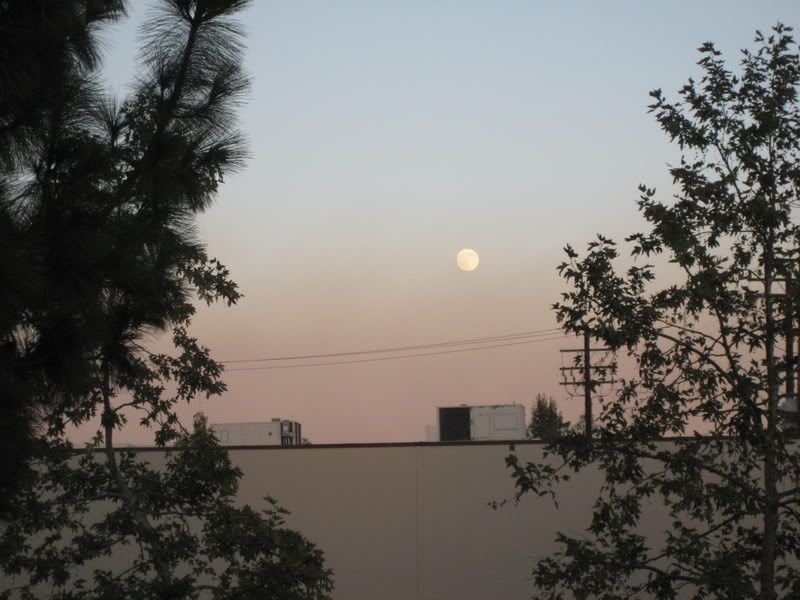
x,y
497,338
383,358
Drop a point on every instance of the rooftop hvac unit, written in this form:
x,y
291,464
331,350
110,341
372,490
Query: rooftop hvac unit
x,y
488,422
276,432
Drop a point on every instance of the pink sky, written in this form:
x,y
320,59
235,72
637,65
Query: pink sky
x,y
385,137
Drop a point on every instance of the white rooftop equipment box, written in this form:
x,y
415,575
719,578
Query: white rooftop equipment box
x,y
276,432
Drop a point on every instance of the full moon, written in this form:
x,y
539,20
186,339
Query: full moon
x,y
468,259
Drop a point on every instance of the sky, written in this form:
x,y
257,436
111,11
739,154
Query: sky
x,y
385,137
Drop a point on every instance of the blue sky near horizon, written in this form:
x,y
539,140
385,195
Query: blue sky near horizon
x,y
386,136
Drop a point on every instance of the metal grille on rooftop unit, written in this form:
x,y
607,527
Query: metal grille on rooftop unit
x,y
454,424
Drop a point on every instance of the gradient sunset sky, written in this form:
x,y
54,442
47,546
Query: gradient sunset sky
x,y
386,136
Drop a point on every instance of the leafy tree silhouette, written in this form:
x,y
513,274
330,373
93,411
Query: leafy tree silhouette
x,y
98,199
706,351
546,421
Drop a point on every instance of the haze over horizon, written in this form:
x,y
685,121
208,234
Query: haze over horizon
x,y
384,138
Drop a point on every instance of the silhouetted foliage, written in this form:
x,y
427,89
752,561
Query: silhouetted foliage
x,y
707,347
546,422
47,51
98,200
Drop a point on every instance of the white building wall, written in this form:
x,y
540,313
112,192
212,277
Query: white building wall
x,y
412,521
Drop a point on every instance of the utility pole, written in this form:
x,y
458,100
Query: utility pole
x,y
789,407
791,413
789,338
587,388
586,369
790,410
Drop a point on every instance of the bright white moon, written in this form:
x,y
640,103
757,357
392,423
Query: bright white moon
x,y
468,259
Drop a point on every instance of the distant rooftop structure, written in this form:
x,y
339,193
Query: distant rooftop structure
x,y
475,423
788,411
277,432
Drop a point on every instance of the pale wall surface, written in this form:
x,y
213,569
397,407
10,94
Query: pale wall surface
x,y
413,521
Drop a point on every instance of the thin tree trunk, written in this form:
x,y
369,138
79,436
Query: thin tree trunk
x,y
770,537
